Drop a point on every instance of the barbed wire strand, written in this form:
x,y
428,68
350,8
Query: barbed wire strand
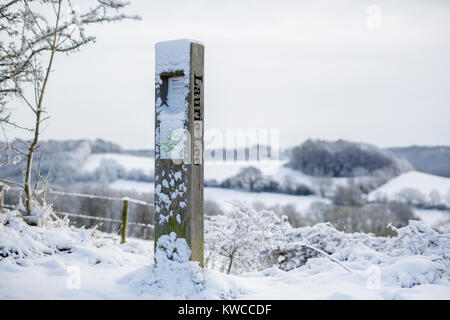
x,y
104,219
70,214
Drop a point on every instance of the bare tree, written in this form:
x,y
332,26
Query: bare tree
x,y
36,32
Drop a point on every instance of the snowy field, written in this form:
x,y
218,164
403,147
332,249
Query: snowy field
x,y
428,186
60,262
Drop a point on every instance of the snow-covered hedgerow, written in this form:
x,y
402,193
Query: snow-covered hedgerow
x,y
417,255
249,240
322,236
316,262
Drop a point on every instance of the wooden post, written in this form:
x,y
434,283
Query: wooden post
x,y
179,130
123,232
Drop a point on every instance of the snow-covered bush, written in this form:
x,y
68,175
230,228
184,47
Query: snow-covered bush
x,y
322,236
419,239
416,255
236,242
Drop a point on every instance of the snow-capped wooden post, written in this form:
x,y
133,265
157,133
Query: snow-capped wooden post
x,y
123,231
179,132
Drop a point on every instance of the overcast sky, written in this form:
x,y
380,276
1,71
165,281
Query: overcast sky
x,y
313,69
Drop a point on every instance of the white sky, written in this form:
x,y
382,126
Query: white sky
x,y
312,69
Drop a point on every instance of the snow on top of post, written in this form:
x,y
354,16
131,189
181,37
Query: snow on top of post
x,y
173,55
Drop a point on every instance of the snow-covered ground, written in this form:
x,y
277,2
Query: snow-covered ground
x,y
60,262
430,188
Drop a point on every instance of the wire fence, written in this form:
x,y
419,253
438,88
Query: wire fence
x,y
125,200
92,196
78,215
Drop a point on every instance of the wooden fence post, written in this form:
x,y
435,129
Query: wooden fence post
x,y
124,219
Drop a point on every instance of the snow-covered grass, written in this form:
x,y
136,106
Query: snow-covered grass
x,y
414,186
61,262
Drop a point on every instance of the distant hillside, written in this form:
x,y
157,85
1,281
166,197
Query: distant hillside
x,y
415,188
433,160
343,158
62,160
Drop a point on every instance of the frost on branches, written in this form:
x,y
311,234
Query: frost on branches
x,y
417,255
247,240
25,245
237,242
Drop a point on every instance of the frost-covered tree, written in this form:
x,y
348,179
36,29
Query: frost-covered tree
x,y
236,242
34,32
